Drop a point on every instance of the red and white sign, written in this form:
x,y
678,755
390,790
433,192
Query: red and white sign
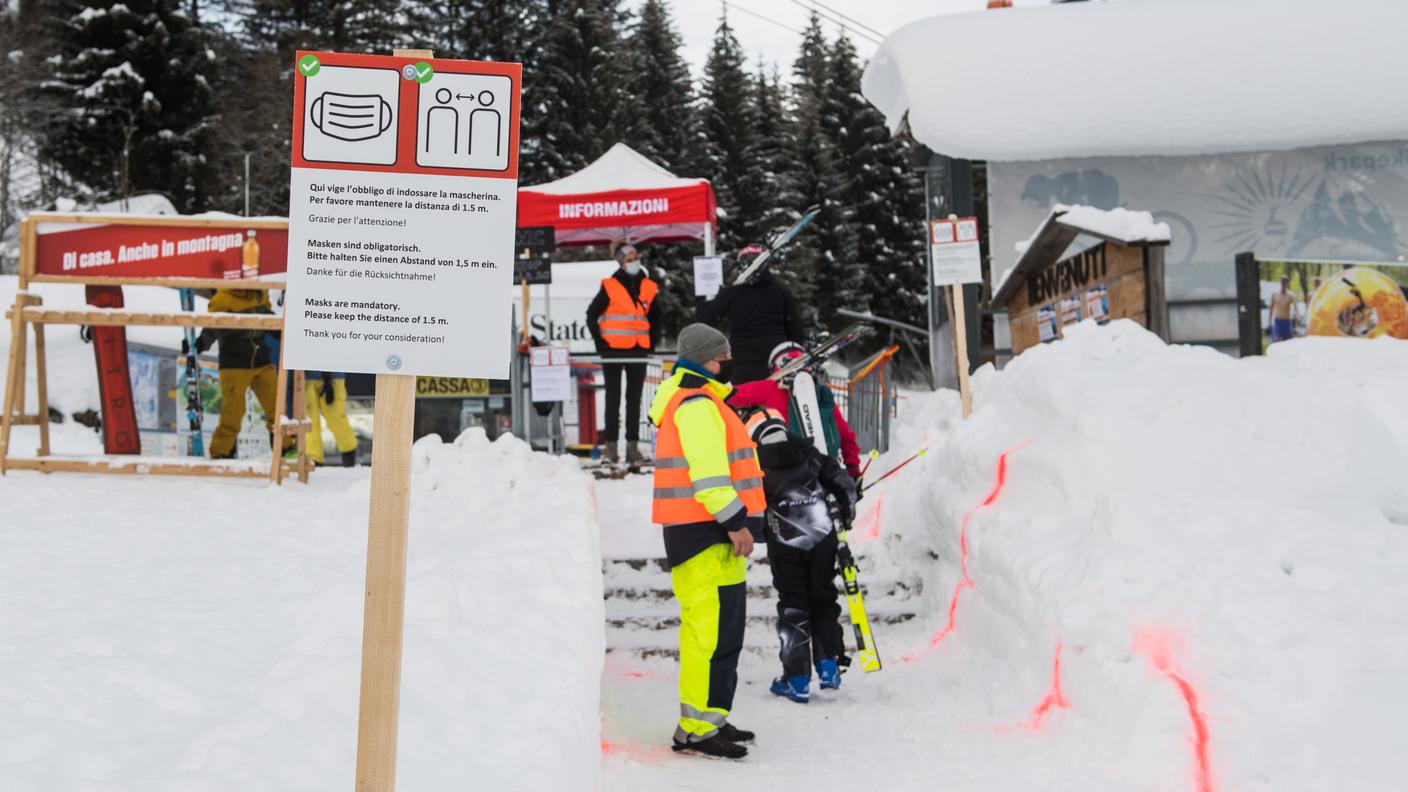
x,y
154,251
401,215
550,374
955,255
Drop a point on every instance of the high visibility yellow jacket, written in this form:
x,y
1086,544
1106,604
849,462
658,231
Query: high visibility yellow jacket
x,y
707,478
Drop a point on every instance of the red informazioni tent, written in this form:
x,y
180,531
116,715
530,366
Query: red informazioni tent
x,y
625,196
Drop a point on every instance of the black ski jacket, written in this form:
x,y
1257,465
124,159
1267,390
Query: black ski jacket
x,y
759,316
796,477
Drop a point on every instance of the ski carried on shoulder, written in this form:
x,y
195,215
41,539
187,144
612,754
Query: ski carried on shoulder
x,y
802,396
824,350
195,442
867,655
772,246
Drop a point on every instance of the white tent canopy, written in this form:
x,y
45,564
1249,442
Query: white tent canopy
x,y
1144,77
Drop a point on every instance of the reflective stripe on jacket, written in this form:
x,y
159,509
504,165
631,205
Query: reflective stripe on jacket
x,y
623,325
706,465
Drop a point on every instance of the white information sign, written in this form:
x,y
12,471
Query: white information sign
x,y
550,374
708,276
954,249
401,215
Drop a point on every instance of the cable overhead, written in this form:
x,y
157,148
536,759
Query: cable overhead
x,y
852,19
834,21
752,13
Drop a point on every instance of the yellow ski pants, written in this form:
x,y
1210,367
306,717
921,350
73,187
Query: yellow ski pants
x,y
264,381
335,414
711,590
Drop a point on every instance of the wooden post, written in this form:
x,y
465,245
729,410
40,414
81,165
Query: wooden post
x,y
960,340
276,439
14,378
383,619
527,299
300,416
41,374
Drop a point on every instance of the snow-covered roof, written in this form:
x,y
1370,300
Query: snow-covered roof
x,y
1060,228
620,168
1142,77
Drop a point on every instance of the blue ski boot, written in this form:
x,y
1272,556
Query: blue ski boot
x,y
828,674
796,688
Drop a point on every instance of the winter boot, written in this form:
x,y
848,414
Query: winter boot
x,y
349,458
828,674
734,734
715,747
608,453
796,688
633,454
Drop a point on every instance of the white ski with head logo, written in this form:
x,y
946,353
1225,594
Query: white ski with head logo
x,y
808,411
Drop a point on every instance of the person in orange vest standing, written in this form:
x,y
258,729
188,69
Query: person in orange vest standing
x,y
709,499
624,320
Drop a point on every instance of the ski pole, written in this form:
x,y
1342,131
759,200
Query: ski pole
x,y
874,455
896,468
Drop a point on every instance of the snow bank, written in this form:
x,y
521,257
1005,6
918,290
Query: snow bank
x,y
1135,78
1192,536
205,636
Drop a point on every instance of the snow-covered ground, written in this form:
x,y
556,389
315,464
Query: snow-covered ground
x,y
1135,567
194,635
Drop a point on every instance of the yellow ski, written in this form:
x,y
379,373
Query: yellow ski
x,y
867,655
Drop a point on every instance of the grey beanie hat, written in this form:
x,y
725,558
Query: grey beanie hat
x,y
702,343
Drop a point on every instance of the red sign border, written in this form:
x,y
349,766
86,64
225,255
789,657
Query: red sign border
x,y
408,111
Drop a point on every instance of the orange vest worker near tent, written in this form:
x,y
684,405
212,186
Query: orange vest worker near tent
x,y
709,498
624,320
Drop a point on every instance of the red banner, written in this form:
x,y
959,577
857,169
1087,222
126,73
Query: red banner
x,y
661,207
154,251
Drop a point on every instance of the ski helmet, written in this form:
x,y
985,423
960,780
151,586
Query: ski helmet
x,y
782,353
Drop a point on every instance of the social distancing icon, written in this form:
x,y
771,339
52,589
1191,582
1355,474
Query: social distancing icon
x,y
464,122
350,115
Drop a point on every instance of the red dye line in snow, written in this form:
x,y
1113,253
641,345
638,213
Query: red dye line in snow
x,y
874,532
1055,699
967,581
1158,647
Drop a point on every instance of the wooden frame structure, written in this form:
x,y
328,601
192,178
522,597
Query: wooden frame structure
x,y
28,312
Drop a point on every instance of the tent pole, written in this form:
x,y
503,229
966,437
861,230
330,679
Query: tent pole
x,y
708,239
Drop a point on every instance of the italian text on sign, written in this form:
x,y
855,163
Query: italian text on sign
x,y
953,245
401,215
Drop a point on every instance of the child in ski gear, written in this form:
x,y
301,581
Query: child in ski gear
x,y
709,500
802,546
248,361
624,320
759,315
325,398
840,440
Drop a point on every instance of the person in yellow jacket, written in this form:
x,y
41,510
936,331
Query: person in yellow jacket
x,y
709,498
325,397
248,361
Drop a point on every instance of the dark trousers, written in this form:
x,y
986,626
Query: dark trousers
x,y
808,615
748,370
635,383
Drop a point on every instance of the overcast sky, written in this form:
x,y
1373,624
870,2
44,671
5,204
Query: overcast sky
x,y
776,41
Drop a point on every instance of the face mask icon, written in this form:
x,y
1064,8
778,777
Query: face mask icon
x,y
351,117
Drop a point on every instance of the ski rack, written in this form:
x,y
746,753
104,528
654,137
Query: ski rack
x,y
28,312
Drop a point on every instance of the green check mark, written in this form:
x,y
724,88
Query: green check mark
x,y
308,65
424,72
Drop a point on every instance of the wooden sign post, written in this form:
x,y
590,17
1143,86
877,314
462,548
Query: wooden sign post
x,y
402,202
956,259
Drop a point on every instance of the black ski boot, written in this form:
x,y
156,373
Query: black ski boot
x,y
349,458
735,735
715,747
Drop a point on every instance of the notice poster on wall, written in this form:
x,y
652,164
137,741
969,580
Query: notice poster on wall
x,y
1071,310
1046,323
1097,303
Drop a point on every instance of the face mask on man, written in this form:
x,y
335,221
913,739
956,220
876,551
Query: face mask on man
x,y
725,371
633,268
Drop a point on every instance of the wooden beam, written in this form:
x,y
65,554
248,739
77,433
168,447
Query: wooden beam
x,y
120,317
41,374
138,466
177,221
261,284
27,247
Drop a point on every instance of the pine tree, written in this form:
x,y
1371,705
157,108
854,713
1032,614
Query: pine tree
x,y
761,190
134,84
579,106
661,91
885,199
728,127
494,30
821,264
